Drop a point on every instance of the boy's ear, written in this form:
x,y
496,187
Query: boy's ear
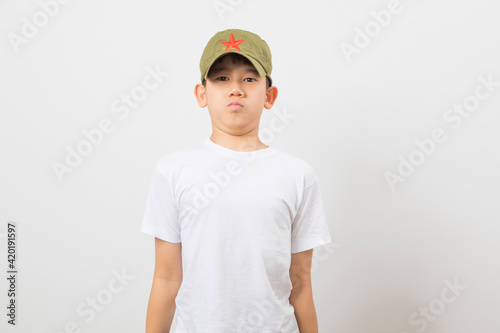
x,y
271,95
201,96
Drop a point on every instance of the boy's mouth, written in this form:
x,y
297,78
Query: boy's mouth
x,y
235,105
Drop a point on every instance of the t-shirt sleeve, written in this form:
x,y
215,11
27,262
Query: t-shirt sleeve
x,y
161,218
309,227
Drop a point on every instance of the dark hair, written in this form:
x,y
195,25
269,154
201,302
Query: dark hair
x,y
236,59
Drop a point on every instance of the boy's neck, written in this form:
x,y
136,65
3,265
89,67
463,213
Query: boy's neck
x,y
238,143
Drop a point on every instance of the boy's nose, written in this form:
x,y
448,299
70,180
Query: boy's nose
x,y
235,90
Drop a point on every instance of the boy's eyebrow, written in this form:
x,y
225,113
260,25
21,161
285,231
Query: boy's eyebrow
x,y
222,69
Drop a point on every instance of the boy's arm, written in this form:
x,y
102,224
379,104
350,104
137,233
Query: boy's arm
x,y
167,280
301,296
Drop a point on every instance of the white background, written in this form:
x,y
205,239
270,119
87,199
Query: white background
x,y
393,248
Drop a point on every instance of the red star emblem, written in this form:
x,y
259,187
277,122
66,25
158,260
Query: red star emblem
x,y
233,43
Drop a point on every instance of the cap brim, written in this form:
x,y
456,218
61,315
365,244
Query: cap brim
x,y
255,63
258,66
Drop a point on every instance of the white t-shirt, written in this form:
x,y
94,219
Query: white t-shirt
x,y
239,216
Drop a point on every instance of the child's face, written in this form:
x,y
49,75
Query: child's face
x,y
241,85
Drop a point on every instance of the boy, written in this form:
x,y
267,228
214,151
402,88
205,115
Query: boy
x,y
235,221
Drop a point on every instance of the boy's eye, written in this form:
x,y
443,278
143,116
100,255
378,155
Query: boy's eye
x,y
225,78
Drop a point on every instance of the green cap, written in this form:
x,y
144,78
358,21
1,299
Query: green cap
x,y
241,42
